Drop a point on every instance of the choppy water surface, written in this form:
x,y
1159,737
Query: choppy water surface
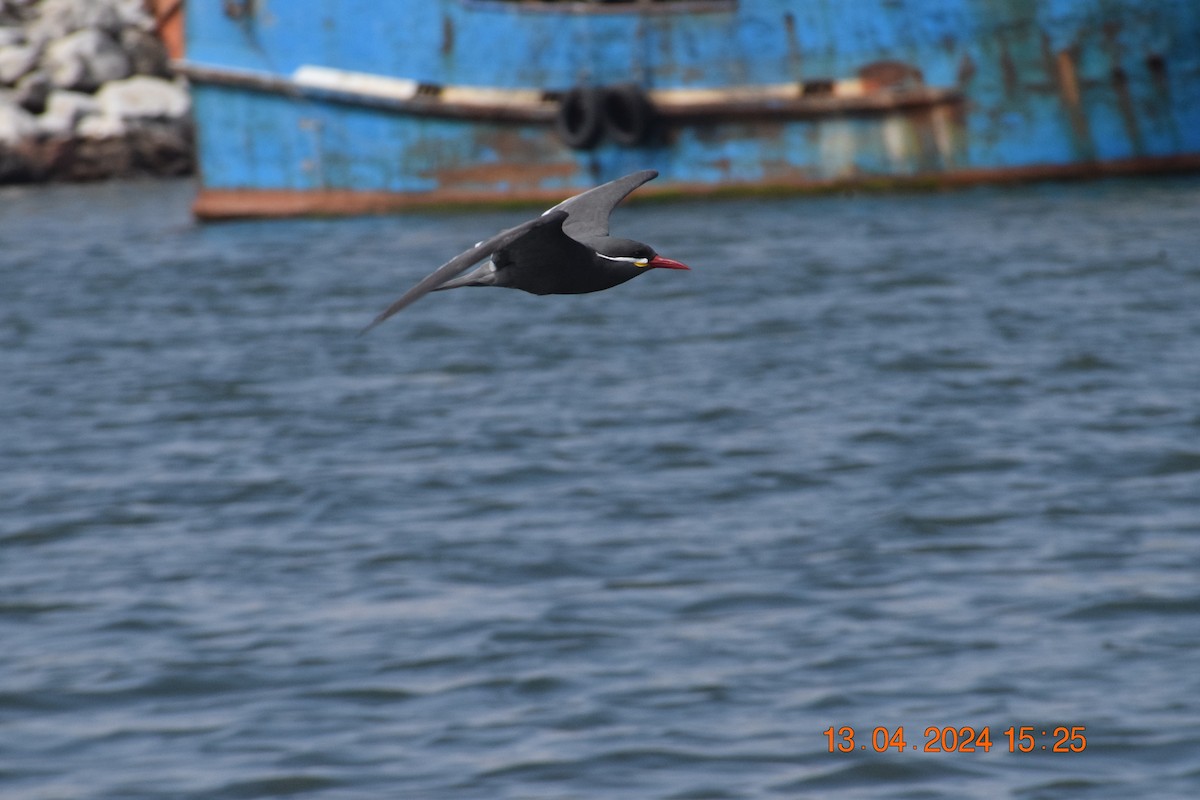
x,y
876,462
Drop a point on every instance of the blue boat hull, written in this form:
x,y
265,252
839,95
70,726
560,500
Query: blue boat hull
x,y
313,106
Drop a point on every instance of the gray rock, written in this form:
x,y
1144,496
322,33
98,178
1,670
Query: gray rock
x,y
63,110
134,13
32,92
84,60
144,97
59,18
146,53
16,124
15,61
10,35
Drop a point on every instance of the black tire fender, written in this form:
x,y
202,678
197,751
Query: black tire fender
x,y
580,119
629,116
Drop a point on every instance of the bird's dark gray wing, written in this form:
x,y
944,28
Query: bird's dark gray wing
x,y
461,262
589,211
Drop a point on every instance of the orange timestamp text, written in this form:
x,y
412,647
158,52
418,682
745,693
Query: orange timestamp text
x,y
950,739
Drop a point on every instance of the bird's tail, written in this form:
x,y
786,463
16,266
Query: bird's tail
x,y
484,275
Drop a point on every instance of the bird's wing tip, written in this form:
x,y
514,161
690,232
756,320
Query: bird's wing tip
x,y
370,326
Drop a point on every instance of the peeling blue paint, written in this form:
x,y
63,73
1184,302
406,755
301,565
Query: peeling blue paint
x,y
1043,85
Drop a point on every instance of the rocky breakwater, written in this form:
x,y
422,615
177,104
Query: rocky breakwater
x,y
86,93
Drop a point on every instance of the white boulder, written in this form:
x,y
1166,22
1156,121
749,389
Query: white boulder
x,y
101,126
144,97
16,124
85,60
64,110
15,61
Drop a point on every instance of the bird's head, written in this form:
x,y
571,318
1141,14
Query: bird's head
x,y
635,255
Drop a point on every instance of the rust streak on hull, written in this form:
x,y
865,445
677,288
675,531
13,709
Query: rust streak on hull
x,y
217,204
225,204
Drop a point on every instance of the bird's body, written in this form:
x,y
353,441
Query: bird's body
x,y
567,250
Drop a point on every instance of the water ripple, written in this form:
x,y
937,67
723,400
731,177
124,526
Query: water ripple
x,y
647,543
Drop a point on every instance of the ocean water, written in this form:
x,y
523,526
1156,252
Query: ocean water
x,y
876,463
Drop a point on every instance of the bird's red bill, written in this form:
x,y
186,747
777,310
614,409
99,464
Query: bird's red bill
x,y
666,263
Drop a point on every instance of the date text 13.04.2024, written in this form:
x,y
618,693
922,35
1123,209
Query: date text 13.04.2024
x,y
949,739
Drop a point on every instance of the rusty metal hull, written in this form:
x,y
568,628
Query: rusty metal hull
x,y
316,106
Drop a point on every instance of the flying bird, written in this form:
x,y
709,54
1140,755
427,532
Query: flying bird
x,y
567,250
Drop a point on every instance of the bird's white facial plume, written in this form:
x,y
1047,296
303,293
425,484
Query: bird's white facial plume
x,y
637,262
